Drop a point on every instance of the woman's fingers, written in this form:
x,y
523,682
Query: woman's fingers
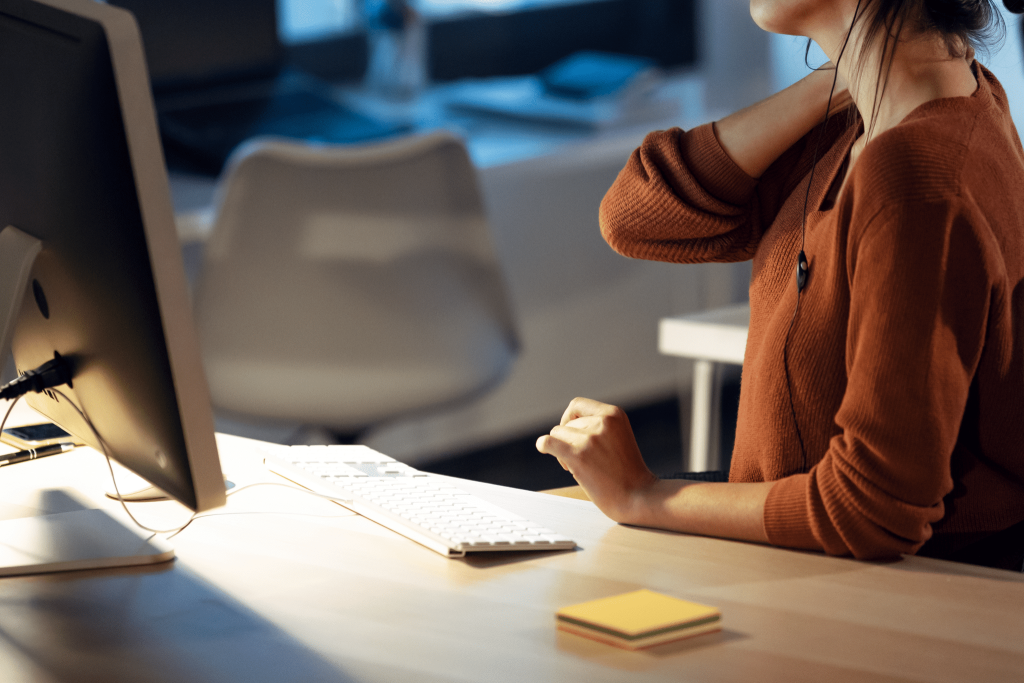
x,y
549,445
595,443
584,407
567,439
562,443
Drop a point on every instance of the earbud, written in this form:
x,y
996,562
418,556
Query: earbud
x,y
802,268
801,271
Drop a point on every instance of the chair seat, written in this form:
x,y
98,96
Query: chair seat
x,y
347,396
344,287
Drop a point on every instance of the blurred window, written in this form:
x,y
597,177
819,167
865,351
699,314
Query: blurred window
x,y
301,21
306,20
442,8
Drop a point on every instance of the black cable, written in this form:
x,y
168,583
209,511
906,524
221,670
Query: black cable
x,y
177,530
52,373
174,532
802,269
7,415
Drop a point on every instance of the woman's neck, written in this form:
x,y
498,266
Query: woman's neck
x,y
919,70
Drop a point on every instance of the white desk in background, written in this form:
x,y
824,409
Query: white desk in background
x,y
280,586
710,337
492,140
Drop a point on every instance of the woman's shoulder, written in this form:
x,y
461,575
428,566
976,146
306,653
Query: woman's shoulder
x,y
943,147
918,160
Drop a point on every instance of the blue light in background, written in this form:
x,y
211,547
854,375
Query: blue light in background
x,y
306,20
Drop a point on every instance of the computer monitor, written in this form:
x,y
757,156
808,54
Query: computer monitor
x,y
82,171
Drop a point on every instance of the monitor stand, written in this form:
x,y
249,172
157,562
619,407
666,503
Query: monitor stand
x,y
65,541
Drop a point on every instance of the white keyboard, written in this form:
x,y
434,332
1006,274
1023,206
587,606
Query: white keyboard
x,y
422,507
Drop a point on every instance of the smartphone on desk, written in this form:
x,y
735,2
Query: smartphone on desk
x,y
36,436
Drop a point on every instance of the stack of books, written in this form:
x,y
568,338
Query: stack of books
x,y
639,619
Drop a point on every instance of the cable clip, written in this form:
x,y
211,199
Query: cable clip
x,y
802,269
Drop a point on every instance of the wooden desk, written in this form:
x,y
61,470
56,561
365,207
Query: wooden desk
x,y
279,586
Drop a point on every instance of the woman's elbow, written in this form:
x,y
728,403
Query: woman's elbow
x,y
887,539
618,225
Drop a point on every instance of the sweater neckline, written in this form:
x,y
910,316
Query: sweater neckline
x,y
839,154
980,97
834,161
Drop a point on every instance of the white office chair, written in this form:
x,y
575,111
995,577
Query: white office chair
x,y
342,287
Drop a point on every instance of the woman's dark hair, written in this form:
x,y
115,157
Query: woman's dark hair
x,y
963,24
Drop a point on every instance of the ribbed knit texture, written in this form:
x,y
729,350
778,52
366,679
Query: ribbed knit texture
x,y
906,360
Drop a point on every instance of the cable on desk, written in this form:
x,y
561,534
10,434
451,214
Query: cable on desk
x,y
110,466
113,478
291,487
103,445
3,423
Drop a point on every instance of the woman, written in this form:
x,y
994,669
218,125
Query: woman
x,y
883,386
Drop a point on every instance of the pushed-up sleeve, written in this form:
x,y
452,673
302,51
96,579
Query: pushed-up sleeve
x,y
681,198
922,284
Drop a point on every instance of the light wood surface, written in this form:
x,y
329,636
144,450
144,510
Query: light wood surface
x,y
576,492
279,586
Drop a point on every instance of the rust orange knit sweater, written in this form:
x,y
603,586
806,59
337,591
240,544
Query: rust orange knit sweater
x,y
906,359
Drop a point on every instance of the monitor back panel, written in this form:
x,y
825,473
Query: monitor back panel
x,y
81,170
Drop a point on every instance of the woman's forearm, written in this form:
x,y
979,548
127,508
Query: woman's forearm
x,y
596,444
725,510
758,135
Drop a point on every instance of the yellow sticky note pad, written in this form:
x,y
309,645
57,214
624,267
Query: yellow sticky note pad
x,y
638,619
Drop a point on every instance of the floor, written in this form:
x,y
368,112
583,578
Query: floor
x,y
659,432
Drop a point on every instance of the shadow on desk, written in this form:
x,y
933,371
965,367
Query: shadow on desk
x,y
187,631
641,660
502,559
156,623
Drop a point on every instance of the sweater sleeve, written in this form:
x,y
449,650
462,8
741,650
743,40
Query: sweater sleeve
x,y
921,283
681,198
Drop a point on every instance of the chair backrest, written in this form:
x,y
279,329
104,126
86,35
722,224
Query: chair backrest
x,y
345,286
